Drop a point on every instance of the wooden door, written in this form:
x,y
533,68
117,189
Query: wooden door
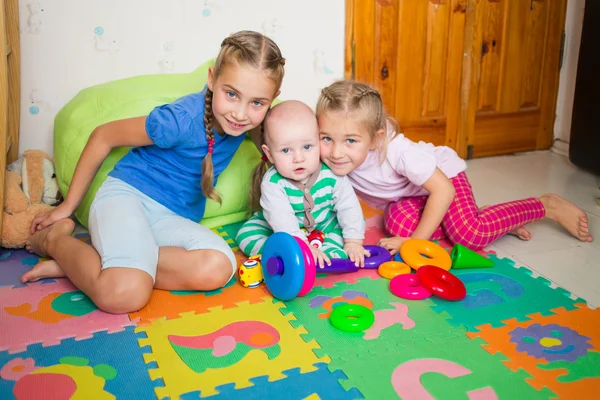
x,y
411,51
480,76
514,75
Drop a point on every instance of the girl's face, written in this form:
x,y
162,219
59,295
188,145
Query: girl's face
x,y
241,98
344,143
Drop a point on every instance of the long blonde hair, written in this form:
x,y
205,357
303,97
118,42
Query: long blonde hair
x,y
259,172
246,48
357,98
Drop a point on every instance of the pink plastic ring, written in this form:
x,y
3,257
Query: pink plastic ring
x,y
408,287
310,269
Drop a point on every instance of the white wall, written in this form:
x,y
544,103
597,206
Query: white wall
x,y
68,45
568,75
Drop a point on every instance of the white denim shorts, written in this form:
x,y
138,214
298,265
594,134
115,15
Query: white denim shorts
x,y
127,228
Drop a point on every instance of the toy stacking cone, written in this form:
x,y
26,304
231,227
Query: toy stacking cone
x,y
464,258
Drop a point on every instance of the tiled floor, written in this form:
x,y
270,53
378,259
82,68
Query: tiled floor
x,y
552,252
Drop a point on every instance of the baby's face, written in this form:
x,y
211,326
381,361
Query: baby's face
x,y
294,148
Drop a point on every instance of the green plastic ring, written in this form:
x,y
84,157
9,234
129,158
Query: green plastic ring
x,y
352,317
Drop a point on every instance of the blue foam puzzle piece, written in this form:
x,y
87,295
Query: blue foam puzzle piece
x,y
321,382
119,350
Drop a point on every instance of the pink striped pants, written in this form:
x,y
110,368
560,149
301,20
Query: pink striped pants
x,y
464,223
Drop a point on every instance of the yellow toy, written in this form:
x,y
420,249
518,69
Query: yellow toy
x,y
391,269
420,252
250,273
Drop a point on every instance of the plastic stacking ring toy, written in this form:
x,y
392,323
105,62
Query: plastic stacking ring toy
x,y
283,266
408,287
379,255
391,269
352,317
442,283
310,270
419,252
338,266
463,258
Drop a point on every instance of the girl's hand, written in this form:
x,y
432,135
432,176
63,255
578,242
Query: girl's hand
x,y
392,244
356,253
320,257
46,219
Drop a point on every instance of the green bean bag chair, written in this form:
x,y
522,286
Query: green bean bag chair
x,y
133,97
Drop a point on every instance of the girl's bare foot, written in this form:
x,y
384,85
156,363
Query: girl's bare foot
x,y
38,241
44,269
568,215
522,233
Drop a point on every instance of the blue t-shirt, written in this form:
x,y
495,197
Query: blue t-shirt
x,y
170,170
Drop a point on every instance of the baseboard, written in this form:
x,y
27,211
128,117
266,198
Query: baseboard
x,y
561,147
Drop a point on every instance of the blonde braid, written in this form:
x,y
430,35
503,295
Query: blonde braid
x,y
259,172
207,164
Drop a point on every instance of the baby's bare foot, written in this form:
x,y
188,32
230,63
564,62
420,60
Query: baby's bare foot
x,y
568,215
44,269
38,242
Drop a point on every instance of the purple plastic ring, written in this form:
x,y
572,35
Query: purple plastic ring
x,y
379,255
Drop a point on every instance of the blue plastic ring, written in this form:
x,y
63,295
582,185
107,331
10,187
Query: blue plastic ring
x,y
283,266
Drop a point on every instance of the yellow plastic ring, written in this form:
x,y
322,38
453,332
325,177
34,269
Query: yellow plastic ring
x,y
420,252
392,269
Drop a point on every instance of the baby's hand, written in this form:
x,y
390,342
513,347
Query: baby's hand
x,y
356,253
320,257
392,244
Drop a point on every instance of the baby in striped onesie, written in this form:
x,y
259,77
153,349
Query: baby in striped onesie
x,y
299,194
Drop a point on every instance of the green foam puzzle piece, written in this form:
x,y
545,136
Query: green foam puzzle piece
x,y
134,97
584,367
535,296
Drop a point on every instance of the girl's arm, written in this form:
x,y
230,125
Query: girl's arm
x,y
122,133
129,132
441,192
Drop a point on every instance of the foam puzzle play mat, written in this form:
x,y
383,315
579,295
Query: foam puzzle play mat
x,y
509,335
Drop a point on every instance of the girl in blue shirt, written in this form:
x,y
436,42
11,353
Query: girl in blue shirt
x,y
144,218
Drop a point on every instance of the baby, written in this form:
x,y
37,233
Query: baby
x,y
299,194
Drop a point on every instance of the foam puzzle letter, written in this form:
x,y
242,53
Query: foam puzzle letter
x,y
406,379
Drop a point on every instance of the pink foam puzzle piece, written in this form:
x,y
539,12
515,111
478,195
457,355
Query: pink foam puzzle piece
x,y
21,327
386,318
374,230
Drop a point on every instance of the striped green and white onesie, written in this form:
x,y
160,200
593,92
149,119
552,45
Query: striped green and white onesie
x,y
326,202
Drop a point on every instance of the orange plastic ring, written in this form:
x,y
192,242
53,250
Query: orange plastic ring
x,y
392,269
420,252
